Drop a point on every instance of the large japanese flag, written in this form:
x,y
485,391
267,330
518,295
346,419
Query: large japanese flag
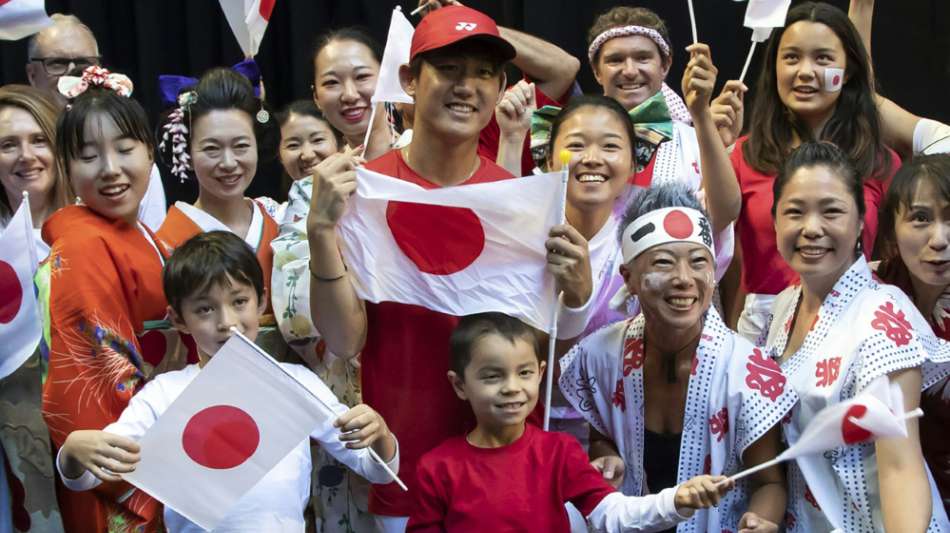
x,y
388,88
240,417
457,250
20,327
764,15
248,20
22,18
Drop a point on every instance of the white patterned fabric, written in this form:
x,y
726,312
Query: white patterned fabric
x,y
735,395
864,330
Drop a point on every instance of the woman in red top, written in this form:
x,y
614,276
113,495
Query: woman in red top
x,y
915,251
816,85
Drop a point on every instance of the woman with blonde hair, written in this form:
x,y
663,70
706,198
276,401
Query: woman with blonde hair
x,y
27,161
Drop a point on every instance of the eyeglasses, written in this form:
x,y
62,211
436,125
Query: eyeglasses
x,y
57,66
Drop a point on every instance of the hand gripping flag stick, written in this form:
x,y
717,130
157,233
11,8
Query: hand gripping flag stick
x,y
565,157
372,452
794,452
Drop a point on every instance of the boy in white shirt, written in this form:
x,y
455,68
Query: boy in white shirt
x,y
214,282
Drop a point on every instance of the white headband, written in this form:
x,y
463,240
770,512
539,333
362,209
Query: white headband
x,y
671,224
626,31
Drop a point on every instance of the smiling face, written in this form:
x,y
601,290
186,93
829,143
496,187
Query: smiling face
x,y
601,157
455,92
110,173
674,283
922,230
345,74
209,315
26,156
817,225
630,69
804,52
224,153
501,381
305,141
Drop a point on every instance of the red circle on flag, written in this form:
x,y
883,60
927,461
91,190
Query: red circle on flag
x,y
836,80
851,432
11,294
220,437
437,239
678,224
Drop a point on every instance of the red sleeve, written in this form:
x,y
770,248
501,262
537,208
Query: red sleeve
x,y
875,189
580,482
488,138
429,504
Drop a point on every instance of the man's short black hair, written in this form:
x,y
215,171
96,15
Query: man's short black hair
x,y
471,328
206,259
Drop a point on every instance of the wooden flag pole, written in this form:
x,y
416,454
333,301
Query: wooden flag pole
x,y
565,158
748,61
369,128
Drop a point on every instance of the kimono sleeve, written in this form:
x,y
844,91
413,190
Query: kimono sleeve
x,y
588,375
896,337
95,364
290,279
429,506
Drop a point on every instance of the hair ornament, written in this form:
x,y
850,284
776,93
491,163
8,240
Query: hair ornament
x,y
175,132
95,76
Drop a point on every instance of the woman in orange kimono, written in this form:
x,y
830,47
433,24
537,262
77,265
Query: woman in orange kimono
x,y
101,282
214,135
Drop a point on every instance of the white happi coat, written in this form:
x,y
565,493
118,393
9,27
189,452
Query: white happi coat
x,y
864,330
735,395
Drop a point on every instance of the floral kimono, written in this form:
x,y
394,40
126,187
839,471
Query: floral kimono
x,y
340,495
102,281
735,395
184,221
864,330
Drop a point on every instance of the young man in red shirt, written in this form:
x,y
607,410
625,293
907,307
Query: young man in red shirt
x,y
456,77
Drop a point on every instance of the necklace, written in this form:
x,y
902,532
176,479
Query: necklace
x,y
668,358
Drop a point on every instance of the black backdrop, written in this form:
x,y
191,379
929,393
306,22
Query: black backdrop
x,y
145,38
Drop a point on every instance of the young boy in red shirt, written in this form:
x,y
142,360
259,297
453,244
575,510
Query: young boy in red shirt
x,y
509,475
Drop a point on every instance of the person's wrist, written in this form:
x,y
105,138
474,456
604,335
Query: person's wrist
x,y
513,136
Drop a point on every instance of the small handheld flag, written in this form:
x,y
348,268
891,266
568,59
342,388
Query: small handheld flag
x,y
565,157
22,18
875,413
762,16
19,316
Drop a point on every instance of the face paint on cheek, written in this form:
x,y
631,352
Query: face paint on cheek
x,y
652,282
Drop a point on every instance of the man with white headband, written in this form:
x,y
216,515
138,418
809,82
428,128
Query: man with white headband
x,y
672,393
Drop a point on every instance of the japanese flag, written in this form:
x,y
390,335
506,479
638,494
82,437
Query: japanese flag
x,y
388,88
834,79
763,15
456,250
248,20
19,316
239,418
22,18
876,413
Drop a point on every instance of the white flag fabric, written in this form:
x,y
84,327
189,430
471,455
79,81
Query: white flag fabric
x,y
388,88
22,18
234,422
20,328
456,250
248,20
876,412
763,15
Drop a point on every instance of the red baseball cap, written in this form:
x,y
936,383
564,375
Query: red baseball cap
x,y
451,24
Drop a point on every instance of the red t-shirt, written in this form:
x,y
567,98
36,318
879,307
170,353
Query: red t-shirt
x,y
404,365
489,137
519,487
764,271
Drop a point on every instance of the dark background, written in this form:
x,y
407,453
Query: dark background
x,y
145,38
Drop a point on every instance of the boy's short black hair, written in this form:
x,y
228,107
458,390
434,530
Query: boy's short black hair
x,y
209,258
471,328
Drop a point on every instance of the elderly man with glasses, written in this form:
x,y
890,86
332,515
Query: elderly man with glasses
x,y
66,44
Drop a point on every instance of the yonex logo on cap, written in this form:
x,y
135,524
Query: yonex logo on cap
x,y
467,26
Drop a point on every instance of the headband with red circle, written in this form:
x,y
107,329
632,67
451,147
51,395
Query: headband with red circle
x,y
671,224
